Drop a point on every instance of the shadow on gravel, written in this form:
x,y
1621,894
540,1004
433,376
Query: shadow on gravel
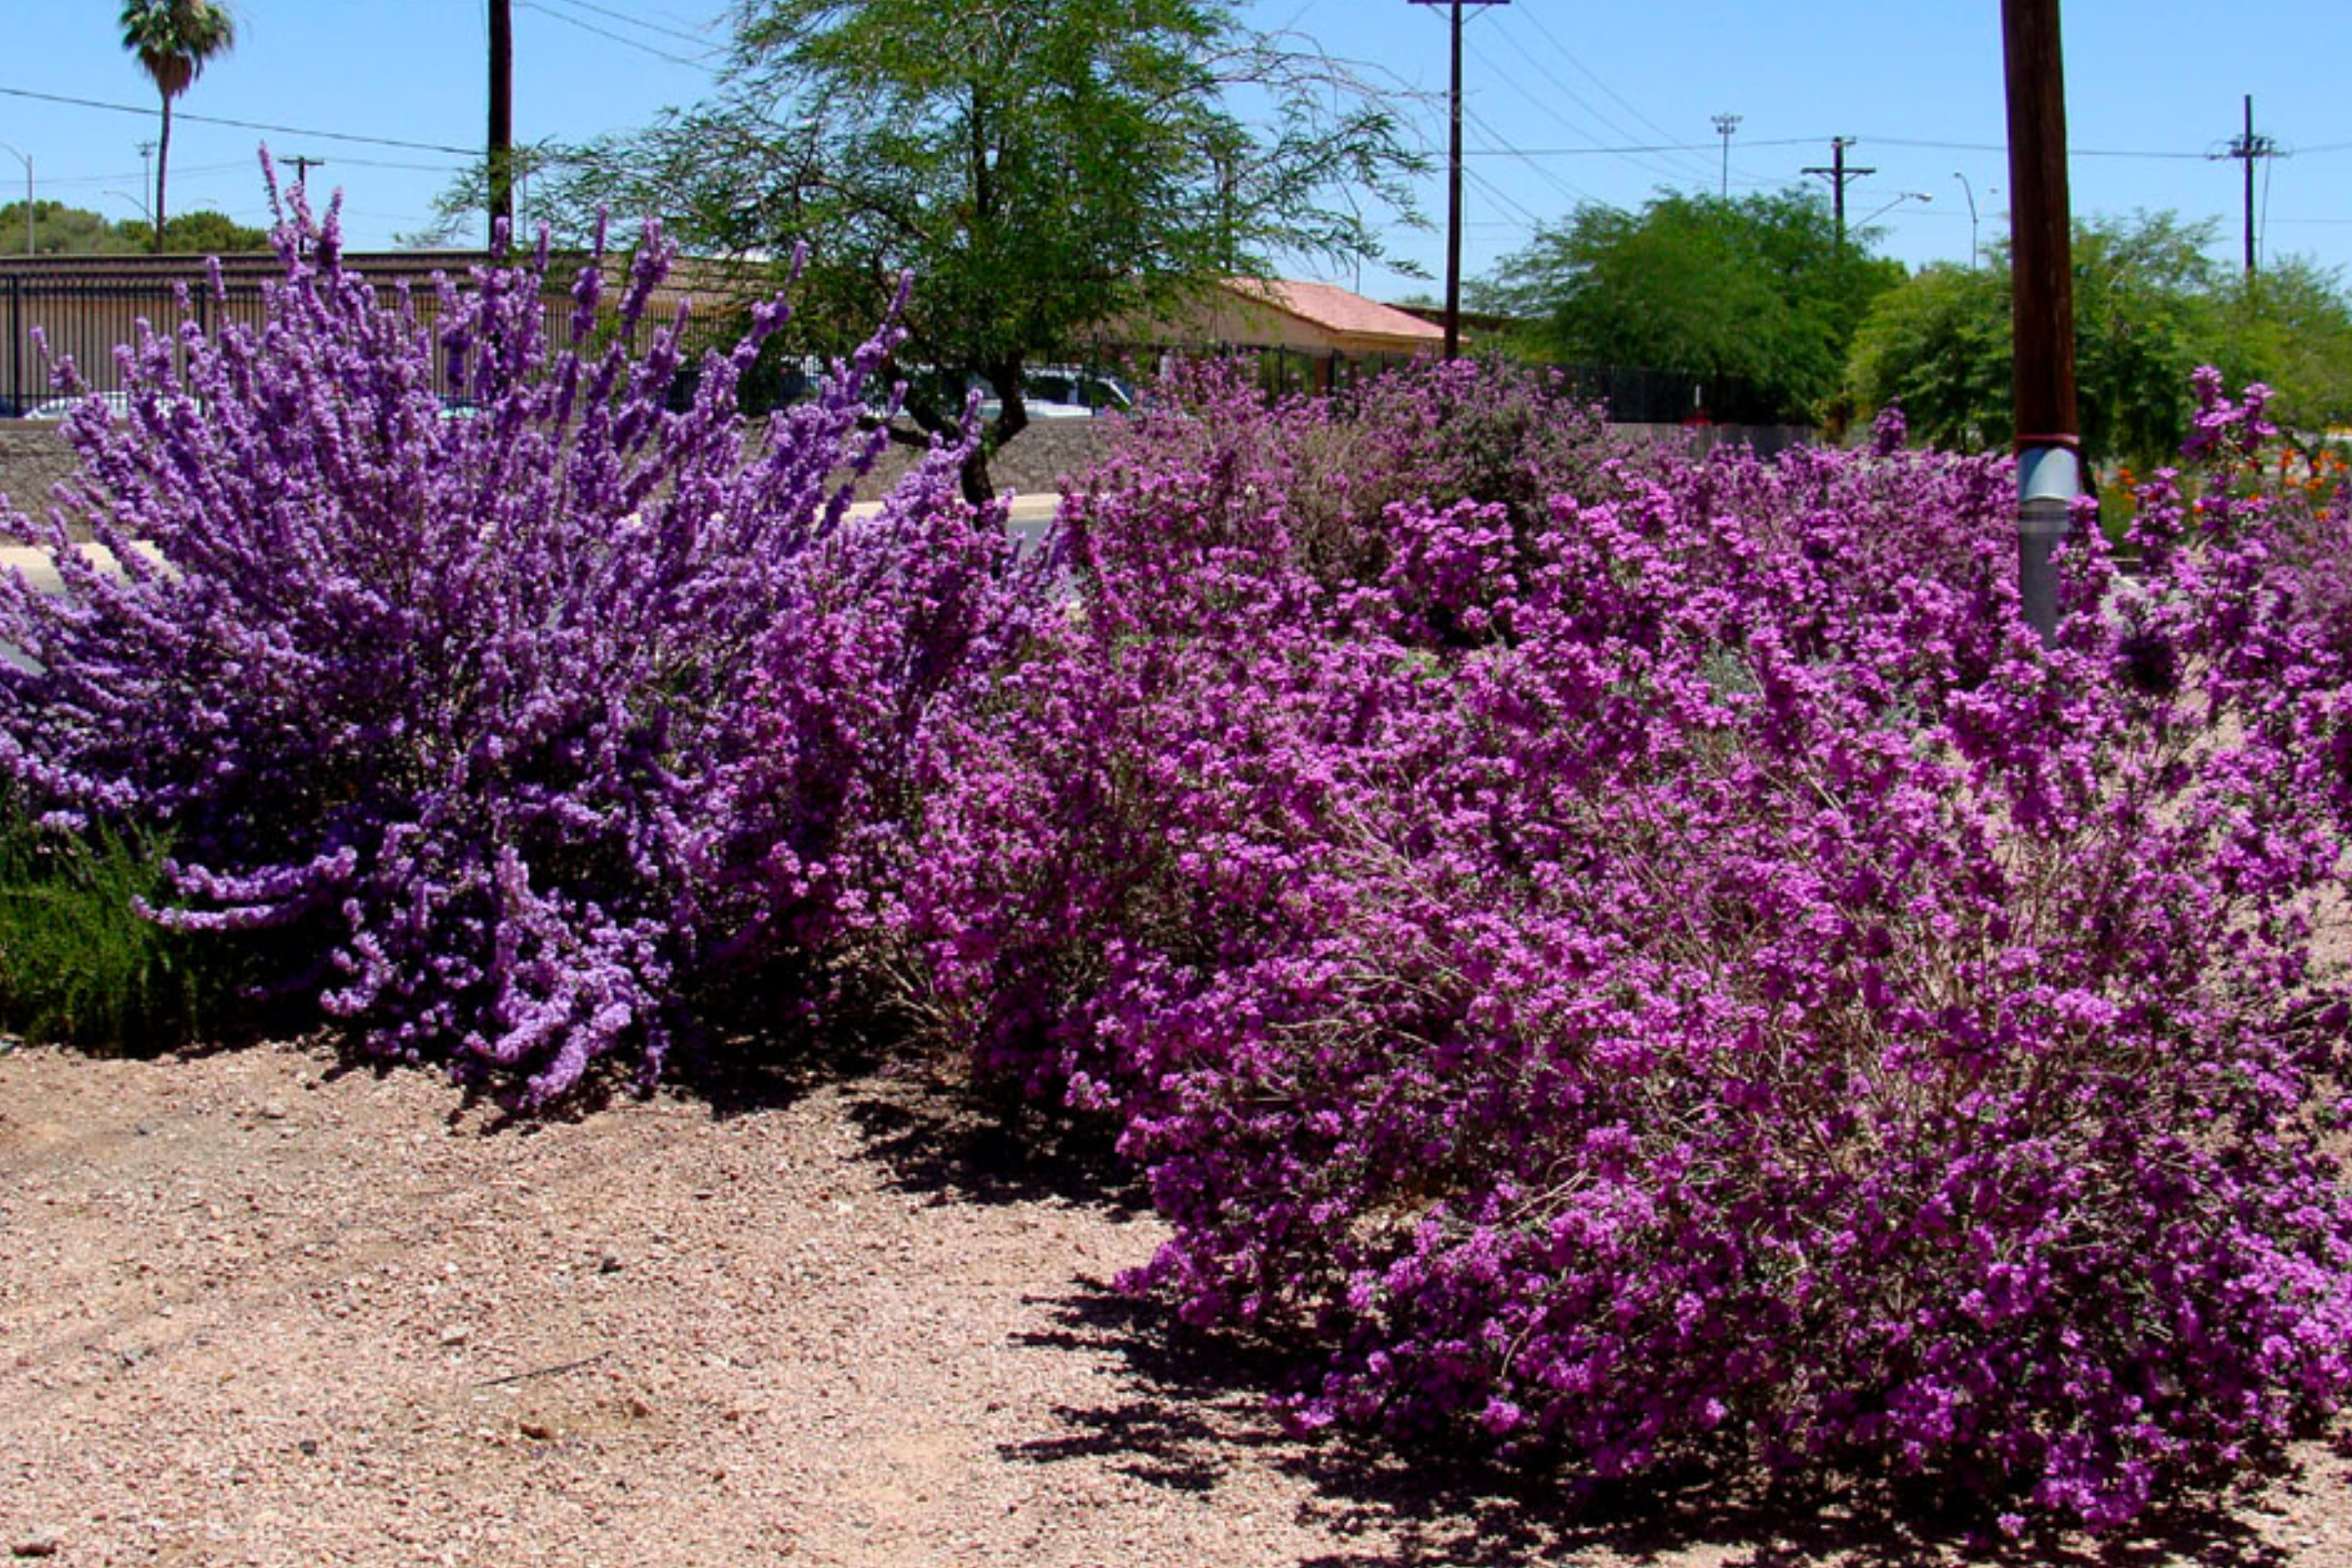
x,y
940,1140
743,1075
1194,1405
1192,1408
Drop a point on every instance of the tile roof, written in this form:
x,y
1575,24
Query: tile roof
x,y
1335,309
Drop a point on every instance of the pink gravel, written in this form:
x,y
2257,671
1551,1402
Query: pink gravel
x,y
255,1309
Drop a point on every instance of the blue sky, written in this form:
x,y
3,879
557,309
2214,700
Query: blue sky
x,y
2153,86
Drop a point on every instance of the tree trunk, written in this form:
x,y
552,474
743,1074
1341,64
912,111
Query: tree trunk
x,y
163,160
1012,418
978,488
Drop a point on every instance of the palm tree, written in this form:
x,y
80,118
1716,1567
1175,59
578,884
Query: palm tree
x,y
172,39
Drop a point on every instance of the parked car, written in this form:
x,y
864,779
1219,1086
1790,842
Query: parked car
x,y
118,405
1065,391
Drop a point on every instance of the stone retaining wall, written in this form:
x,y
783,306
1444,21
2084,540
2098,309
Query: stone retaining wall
x,y
1030,463
33,456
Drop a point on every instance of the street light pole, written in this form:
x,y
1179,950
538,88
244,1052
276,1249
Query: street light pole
x,y
1972,216
1725,125
26,159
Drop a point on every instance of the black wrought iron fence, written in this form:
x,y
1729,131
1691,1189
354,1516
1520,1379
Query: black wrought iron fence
x,y
1631,396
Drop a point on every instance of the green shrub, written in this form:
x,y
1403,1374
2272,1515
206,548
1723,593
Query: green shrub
x,y
79,964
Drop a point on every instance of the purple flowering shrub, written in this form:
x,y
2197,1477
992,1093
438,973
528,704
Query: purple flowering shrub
x,y
1695,979
516,729
1328,468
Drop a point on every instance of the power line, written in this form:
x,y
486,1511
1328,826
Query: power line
x,y
1535,17
52,181
1996,147
1574,196
622,40
1617,151
1662,171
146,112
1875,140
1503,197
639,22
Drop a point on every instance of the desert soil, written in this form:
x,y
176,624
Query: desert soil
x,y
259,1308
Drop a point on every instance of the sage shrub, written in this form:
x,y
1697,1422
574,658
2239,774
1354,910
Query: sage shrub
x,y
1696,979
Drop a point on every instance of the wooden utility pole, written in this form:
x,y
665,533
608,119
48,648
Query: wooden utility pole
x,y
2250,149
2042,289
1840,174
502,115
1453,183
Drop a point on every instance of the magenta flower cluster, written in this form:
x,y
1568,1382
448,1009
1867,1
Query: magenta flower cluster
x,y
516,707
1676,971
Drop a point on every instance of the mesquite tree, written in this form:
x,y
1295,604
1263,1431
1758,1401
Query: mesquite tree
x,y
1050,172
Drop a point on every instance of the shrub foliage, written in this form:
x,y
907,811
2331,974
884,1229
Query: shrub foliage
x,y
517,728
1638,960
1696,979
79,964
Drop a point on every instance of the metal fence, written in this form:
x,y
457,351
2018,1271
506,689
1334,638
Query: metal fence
x,y
85,320
1631,395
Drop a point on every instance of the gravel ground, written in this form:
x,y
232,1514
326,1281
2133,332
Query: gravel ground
x,y
256,1307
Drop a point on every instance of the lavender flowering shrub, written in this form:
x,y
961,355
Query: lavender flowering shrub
x,y
1696,980
518,727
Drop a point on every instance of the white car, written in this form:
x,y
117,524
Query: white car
x,y
1063,391
118,405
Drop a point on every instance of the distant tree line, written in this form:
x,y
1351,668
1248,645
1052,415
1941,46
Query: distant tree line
x,y
61,230
1762,289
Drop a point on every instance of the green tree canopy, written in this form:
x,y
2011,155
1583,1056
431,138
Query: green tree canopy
x,y
61,230
2290,325
198,233
1047,171
1756,288
2151,304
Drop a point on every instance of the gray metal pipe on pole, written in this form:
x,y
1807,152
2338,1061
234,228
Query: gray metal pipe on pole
x,y
2048,425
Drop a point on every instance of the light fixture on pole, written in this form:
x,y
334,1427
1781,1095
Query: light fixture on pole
x,y
1906,196
1725,125
26,159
